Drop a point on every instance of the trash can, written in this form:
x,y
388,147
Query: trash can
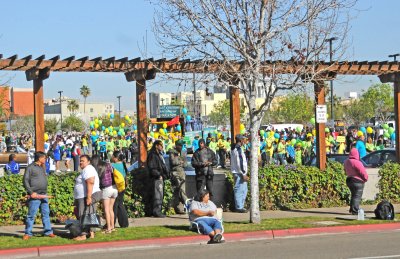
x,y
219,188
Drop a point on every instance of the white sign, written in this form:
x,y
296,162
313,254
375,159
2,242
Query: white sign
x,y
321,114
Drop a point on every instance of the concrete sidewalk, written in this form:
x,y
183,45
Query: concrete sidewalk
x,y
179,220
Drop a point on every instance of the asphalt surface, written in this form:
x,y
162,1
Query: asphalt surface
x,y
366,245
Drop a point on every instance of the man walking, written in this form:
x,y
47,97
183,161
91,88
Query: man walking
x,y
158,173
203,161
177,162
239,170
35,183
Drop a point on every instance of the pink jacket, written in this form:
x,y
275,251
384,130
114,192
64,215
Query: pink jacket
x,y
354,167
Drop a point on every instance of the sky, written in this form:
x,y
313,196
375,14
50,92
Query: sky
x,y
121,28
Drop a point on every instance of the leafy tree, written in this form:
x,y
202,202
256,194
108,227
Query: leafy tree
x,y
50,125
85,92
294,108
73,106
24,125
73,123
354,113
4,104
220,115
378,101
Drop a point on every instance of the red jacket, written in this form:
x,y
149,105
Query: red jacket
x,y
354,167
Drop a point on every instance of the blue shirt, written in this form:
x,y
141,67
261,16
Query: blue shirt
x,y
12,167
195,144
361,148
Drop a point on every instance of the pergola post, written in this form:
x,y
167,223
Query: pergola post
x,y
38,75
395,79
140,77
234,112
320,127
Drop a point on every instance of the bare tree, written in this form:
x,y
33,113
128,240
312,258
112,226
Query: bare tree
x,y
243,43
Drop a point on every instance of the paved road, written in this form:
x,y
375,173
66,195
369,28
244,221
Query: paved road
x,y
367,245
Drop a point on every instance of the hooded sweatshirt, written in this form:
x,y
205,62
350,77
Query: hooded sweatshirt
x,y
354,167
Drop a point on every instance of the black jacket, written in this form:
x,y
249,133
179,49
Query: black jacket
x,y
200,157
156,165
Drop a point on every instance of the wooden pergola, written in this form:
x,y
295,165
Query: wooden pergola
x,y
39,69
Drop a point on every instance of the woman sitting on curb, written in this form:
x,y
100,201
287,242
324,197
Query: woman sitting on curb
x,y
203,212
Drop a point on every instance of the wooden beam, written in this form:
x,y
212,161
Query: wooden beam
x,y
142,121
320,127
235,113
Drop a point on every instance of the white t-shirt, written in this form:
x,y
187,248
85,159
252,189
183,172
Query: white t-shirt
x,y
80,189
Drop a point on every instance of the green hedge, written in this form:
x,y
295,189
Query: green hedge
x,y
13,206
281,187
295,187
389,182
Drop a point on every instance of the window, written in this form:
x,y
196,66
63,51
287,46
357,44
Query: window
x,y
91,109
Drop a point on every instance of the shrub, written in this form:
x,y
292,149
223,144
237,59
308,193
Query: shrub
x,y
295,187
389,182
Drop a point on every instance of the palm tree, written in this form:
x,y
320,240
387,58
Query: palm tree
x,y
73,106
85,92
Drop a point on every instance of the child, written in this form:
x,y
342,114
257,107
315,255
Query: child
x,y
12,167
298,154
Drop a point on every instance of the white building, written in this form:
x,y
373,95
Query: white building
x,y
92,109
350,95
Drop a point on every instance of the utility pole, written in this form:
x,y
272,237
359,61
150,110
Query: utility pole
x,y
194,95
11,110
60,92
331,82
394,56
119,109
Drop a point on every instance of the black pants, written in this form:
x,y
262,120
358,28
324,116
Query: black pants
x,y
222,157
158,196
205,181
356,188
76,163
120,212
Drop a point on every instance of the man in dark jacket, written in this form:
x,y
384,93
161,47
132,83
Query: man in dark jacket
x,y
35,183
158,173
203,161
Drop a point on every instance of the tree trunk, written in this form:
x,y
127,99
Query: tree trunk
x,y
255,216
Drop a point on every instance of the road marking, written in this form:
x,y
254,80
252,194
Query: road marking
x,y
377,257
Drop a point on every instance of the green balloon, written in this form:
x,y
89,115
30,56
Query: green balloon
x,y
293,142
391,130
385,126
298,129
262,133
312,120
152,134
386,135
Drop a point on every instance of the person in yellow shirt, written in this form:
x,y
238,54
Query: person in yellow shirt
x,y
221,152
85,147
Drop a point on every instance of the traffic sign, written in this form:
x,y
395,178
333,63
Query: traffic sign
x,y
321,114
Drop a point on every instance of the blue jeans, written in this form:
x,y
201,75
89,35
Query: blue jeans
x,y
34,205
240,191
208,224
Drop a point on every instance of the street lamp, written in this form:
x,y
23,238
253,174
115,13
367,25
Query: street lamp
x,y
394,56
119,108
11,110
60,92
330,60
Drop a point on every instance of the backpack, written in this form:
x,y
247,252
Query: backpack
x,y
384,210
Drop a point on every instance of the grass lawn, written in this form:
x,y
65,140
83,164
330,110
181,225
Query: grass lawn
x,y
173,231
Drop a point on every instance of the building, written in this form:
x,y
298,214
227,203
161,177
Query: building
x,y
20,100
53,109
350,95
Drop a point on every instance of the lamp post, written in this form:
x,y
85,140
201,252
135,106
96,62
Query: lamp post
x,y
330,60
11,110
394,56
60,92
119,109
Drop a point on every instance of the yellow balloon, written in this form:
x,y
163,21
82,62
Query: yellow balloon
x,y
161,131
314,132
370,130
126,117
271,133
165,125
96,126
107,130
114,132
122,125
46,137
96,121
242,127
93,133
156,134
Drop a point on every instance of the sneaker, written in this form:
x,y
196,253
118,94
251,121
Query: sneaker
x,y
217,238
241,210
218,166
52,235
26,237
68,170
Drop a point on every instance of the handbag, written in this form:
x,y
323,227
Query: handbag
x,y
90,219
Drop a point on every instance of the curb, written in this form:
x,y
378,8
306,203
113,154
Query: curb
x,y
191,240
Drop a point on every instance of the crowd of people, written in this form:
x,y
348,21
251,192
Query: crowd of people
x,y
102,160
